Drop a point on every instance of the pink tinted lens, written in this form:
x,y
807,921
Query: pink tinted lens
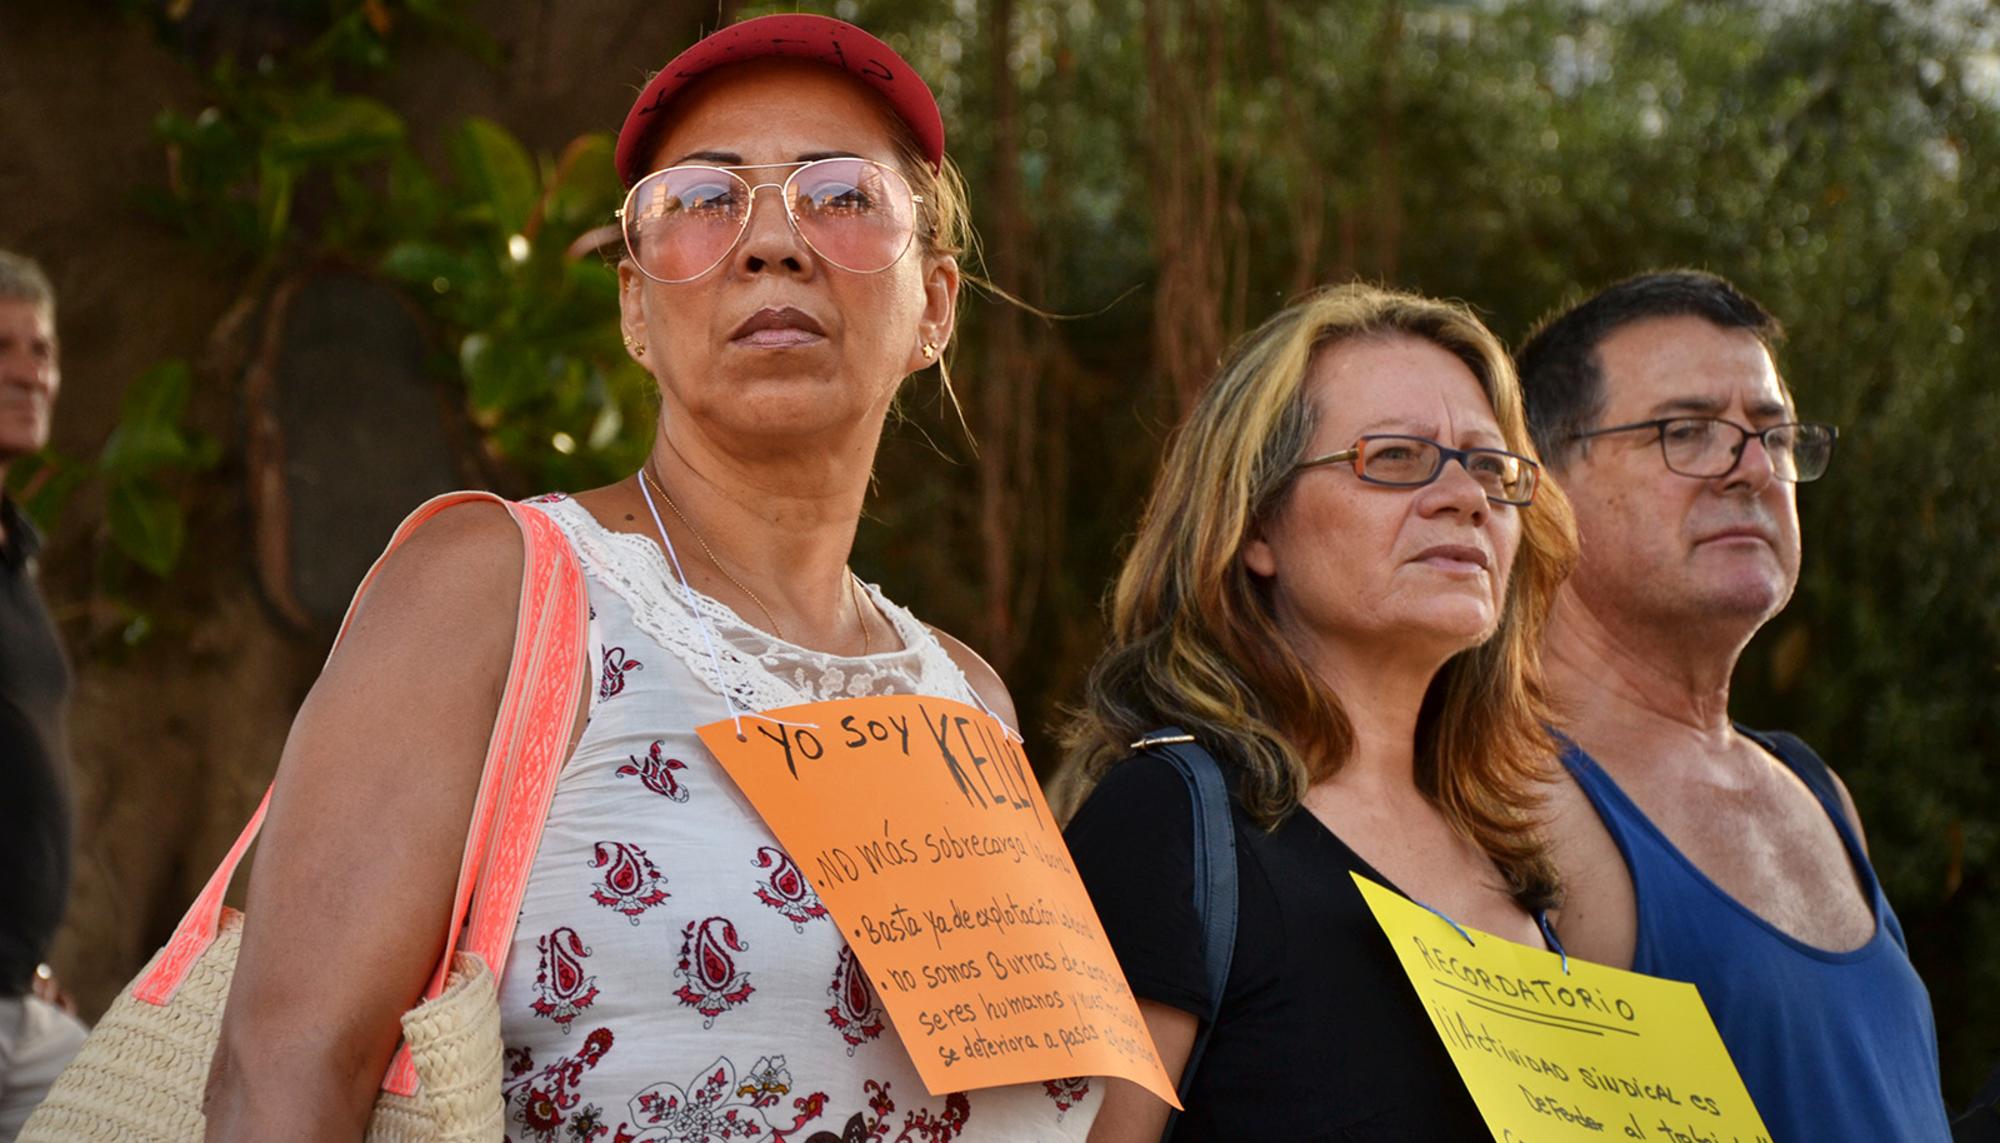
x,y
857,214
683,220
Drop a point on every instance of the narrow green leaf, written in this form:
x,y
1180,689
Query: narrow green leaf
x,y
160,394
498,171
149,434
423,264
147,524
326,128
586,190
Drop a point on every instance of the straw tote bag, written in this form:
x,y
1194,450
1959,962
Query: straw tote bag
x,y
140,1075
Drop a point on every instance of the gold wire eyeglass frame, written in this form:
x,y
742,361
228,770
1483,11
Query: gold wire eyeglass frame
x,y
624,214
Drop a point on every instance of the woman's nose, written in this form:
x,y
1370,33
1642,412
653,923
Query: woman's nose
x,y
1456,490
769,238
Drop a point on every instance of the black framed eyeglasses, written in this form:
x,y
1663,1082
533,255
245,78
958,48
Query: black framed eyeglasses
x,y
1412,462
1710,447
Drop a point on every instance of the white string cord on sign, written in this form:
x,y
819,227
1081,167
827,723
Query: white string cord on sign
x,y
1006,730
736,714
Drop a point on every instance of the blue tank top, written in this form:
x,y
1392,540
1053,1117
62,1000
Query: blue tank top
x,y
1833,1046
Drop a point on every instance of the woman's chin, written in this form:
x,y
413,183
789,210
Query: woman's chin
x,y
1454,629
785,408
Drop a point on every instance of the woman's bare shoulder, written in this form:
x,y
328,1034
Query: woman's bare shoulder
x,y
356,867
470,536
980,675
462,565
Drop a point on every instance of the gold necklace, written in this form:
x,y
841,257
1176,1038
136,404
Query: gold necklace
x,y
777,628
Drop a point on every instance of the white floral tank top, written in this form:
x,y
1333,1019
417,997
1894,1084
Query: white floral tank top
x,y
674,978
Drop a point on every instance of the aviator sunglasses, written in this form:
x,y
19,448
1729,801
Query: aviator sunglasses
x,y
854,213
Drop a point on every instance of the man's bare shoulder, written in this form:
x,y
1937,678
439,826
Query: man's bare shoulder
x,y
1751,828
1847,807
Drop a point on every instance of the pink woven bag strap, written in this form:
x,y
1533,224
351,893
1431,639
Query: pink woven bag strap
x,y
529,743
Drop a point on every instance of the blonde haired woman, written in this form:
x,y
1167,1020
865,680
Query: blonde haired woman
x,y
1337,589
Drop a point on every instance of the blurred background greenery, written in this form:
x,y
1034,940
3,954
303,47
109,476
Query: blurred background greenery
x,y
1164,173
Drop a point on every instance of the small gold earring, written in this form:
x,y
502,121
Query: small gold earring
x,y
635,347
930,350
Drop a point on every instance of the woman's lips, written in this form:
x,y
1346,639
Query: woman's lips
x,y
1455,558
778,338
784,327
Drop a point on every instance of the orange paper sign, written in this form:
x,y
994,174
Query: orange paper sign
x,y
925,833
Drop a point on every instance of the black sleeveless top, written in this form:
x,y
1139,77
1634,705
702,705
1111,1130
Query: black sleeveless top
x,y
1321,1036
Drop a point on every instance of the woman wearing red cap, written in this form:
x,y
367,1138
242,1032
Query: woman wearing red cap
x,y
672,976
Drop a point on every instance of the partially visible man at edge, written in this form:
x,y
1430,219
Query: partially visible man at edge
x,y
1691,847
37,1037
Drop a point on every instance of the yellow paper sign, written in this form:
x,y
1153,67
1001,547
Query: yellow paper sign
x,y
1592,1054
922,828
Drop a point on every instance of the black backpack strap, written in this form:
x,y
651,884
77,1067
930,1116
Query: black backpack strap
x,y
1981,1121
1989,1096
1214,875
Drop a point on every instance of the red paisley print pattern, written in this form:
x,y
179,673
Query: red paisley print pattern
x,y
708,966
663,918
656,770
562,989
1067,1093
616,663
858,1130
715,1105
922,1126
631,883
786,889
919,1126
542,1102
856,1012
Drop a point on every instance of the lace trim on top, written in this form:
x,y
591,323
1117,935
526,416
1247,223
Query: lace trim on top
x,y
758,670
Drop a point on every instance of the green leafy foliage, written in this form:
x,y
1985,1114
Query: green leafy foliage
x,y
43,483
236,171
485,248
145,462
1835,157
142,477
282,167
500,182
489,253
237,166
1839,158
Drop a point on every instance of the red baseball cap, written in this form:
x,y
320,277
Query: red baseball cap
x,y
821,39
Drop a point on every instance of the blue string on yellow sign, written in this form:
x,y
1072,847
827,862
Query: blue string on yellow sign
x,y
1555,1049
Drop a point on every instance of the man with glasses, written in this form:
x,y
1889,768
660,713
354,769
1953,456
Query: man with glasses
x,y
37,1036
1691,847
